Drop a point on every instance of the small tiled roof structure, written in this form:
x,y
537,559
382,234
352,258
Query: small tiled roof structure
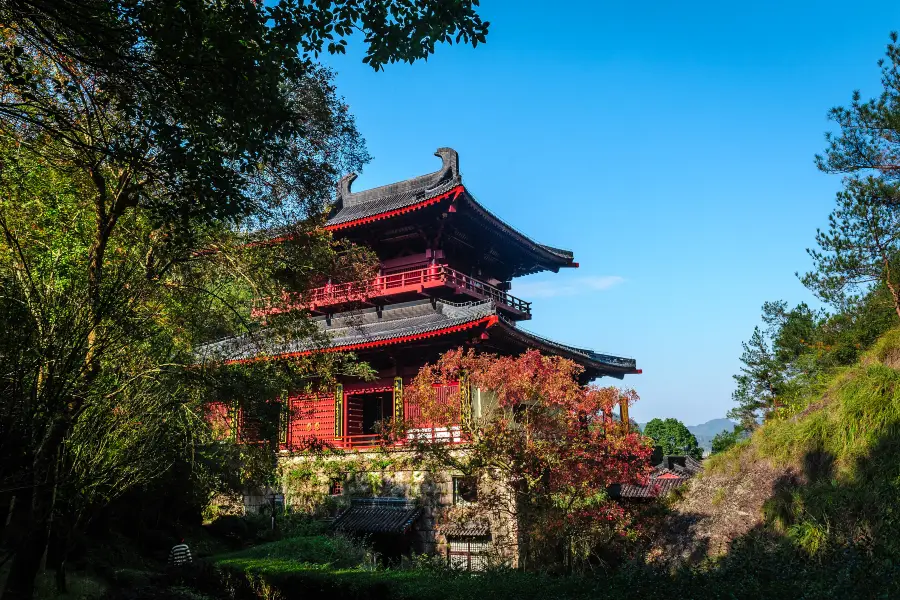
x,y
665,477
655,488
475,528
402,323
378,515
684,466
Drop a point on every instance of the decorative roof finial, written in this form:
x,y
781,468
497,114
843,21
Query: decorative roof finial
x,y
448,173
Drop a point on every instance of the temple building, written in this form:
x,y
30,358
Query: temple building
x,y
445,280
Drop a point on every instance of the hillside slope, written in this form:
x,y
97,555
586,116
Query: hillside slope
x,y
825,480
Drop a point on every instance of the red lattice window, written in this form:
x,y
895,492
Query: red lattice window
x,y
250,426
469,553
446,396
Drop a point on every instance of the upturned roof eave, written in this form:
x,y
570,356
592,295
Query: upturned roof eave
x,y
468,319
594,365
555,258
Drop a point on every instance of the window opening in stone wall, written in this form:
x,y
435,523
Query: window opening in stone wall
x,y
465,490
336,487
469,553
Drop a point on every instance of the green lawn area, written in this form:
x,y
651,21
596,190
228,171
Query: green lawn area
x,y
322,566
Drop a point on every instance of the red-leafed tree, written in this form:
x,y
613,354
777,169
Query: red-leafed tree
x,y
541,449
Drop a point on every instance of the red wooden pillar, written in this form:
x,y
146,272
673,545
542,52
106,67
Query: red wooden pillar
x,y
345,421
339,411
398,399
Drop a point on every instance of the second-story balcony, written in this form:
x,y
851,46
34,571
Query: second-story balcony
x,y
439,281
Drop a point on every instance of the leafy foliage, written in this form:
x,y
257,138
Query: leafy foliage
x,y
726,439
673,437
544,448
139,139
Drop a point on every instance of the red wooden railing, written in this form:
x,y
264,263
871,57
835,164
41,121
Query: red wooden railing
x,y
387,285
445,435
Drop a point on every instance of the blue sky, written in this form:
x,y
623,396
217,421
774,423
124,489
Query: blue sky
x,y
669,145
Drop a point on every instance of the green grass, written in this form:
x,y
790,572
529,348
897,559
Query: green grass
x,y
314,550
847,445
755,568
328,567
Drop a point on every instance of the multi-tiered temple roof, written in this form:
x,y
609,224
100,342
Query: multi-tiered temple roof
x,y
417,326
447,263
445,277
397,210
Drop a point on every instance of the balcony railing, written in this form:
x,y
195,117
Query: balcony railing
x,y
442,435
417,280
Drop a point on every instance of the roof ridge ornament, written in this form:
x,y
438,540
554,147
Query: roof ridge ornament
x,y
449,172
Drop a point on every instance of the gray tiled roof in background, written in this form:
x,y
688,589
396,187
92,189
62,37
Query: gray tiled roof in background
x,y
378,515
661,481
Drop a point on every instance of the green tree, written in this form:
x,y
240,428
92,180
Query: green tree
x,y
138,407
724,440
867,140
177,125
777,362
759,382
673,437
861,246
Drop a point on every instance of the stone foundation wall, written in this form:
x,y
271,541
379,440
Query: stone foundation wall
x,y
308,481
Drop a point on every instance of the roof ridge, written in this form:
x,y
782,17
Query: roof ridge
x,y
449,171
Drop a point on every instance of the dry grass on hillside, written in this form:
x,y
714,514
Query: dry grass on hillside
x,y
722,504
818,467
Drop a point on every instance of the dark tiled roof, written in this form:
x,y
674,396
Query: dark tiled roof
x,y
397,322
558,251
351,206
349,329
656,488
579,355
466,529
386,204
661,480
378,515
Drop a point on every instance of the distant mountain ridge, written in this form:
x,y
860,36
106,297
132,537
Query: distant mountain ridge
x,y
705,432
